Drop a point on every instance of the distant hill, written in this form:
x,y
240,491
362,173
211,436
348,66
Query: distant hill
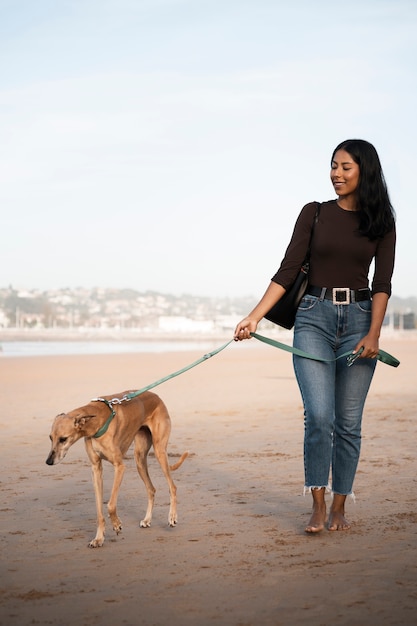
x,y
128,308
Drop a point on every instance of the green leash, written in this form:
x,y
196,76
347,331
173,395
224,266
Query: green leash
x,y
133,394
382,356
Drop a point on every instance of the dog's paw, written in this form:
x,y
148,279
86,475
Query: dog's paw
x,y
115,522
172,521
96,543
145,523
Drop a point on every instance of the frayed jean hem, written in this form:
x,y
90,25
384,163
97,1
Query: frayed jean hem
x,y
350,495
328,489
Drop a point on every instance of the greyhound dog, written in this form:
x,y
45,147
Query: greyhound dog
x,y
144,419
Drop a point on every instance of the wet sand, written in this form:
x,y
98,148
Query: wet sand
x,y
239,555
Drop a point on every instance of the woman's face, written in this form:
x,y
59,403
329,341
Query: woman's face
x,y
344,174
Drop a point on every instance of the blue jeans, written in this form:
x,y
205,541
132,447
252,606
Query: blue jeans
x,y
333,394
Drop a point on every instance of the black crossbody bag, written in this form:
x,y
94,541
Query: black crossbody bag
x,y
284,311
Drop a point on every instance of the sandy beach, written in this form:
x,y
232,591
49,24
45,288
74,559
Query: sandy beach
x,y
239,555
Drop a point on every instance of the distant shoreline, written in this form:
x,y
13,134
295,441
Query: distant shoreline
x,y
109,335
105,335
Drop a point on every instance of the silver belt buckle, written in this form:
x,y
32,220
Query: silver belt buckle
x,y
343,290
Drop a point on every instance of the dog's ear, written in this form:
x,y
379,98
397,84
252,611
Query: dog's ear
x,y
82,421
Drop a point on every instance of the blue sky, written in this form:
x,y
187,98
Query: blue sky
x,y
169,145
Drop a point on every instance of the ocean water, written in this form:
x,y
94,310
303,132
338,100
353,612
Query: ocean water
x,y
54,348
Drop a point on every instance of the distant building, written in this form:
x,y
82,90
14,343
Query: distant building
x,y
4,320
400,321
180,324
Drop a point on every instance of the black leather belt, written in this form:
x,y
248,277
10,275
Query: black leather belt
x,y
340,295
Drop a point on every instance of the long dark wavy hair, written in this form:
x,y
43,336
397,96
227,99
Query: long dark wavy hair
x,y
376,213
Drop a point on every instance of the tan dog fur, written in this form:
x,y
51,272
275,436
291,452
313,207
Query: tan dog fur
x,y
144,420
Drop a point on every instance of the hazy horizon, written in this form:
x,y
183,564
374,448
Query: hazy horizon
x,y
175,294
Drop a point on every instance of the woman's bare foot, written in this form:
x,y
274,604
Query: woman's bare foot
x,y
318,516
337,519
317,519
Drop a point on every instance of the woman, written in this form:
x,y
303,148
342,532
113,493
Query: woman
x,y
339,313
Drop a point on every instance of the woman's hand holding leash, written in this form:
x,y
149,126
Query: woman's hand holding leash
x,y
250,323
245,328
366,348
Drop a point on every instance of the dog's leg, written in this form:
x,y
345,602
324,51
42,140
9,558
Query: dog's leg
x,y
119,470
97,474
143,442
162,456
160,443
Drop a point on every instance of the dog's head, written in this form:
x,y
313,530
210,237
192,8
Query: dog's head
x,y
67,428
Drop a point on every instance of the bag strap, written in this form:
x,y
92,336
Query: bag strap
x,y
315,220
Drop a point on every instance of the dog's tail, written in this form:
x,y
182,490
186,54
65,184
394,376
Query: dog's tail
x,y
179,463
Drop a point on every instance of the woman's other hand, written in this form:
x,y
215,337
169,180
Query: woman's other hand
x,y
370,345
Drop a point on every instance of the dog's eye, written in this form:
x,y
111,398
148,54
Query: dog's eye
x,y
62,439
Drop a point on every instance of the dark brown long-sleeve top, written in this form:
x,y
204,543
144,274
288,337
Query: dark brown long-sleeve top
x,y
340,255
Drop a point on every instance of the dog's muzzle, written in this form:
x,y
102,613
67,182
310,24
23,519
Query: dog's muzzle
x,y
51,458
